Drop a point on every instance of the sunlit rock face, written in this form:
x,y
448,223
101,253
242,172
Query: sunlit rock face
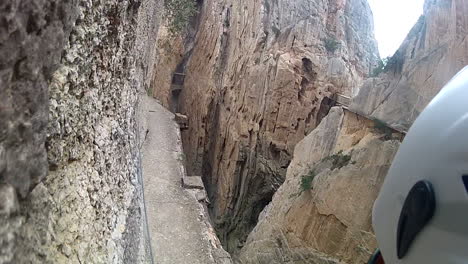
x,y
346,159
434,50
331,222
254,87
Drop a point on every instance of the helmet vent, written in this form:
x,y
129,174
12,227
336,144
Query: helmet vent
x,y
417,211
465,181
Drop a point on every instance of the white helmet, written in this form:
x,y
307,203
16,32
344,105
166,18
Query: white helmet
x,y
421,213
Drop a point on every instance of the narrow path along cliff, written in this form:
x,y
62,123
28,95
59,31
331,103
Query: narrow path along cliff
x,y
178,224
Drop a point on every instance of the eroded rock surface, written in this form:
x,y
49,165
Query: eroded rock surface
x,y
346,158
331,223
32,35
82,64
255,85
434,50
259,75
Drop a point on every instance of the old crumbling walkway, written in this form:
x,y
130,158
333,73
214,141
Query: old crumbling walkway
x,y
178,226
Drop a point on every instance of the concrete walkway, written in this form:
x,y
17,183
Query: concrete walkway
x,y
178,225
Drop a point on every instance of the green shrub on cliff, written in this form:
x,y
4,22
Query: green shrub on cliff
x,y
306,180
381,67
178,14
331,44
339,160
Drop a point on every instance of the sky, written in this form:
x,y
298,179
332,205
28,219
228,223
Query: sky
x,y
393,19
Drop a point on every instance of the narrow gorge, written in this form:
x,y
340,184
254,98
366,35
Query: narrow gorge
x,y
259,79
283,111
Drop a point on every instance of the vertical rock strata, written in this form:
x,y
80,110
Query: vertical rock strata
x,y
259,77
331,223
70,75
255,86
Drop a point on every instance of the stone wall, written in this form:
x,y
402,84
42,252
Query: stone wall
x,y
70,76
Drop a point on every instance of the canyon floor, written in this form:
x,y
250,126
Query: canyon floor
x,y
178,224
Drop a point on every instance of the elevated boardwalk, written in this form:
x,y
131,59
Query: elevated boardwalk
x,y
177,85
344,101
178,80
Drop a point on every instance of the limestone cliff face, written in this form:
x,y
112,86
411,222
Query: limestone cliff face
x,y
347,159
434,50
255,86
173,51
70,75
170,54
332,222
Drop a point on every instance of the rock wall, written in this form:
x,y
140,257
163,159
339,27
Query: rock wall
x,y
170,55
346,158
434,50
32,35
332,222
70,76
173,52
255,86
